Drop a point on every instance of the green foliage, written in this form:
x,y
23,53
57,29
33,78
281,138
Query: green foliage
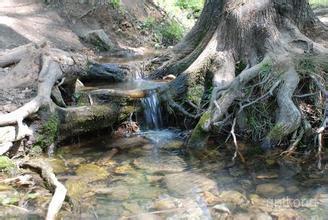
x,y
193,5
48,134
6,164
319,3
171,32
168,32
115,3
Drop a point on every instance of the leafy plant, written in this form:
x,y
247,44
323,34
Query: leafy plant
x,y
115,3
171,32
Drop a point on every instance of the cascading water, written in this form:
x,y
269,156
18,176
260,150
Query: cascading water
x,y
152,111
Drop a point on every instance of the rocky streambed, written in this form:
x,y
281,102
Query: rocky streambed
x,y
157,181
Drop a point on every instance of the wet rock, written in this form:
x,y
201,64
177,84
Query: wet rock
x,y
128,143
75,161
234,197
76,188
269,189
292,189
152,179
164,203
210,198
99,39
286,214
124,169
190,183
57,165
164,164
191,209
236,171
267,175
173,145
145,191
120,193
133,208
92,172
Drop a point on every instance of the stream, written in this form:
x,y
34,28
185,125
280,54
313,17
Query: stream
x,y
156,179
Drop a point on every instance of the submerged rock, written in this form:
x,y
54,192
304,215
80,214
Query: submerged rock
x,y
92,172
57,165
76,188
234,197
270,189
188,183
164,164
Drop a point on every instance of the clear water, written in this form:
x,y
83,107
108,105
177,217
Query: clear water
x,y
171,185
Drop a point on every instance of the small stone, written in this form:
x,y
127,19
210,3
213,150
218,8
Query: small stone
x,y
132,207
269,189
233,197
210,198
269,175
292,189
120,193
164,204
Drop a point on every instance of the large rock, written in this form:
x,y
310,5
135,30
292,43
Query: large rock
x,y
99,39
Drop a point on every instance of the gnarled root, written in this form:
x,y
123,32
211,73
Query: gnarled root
x,y
289,117
58,189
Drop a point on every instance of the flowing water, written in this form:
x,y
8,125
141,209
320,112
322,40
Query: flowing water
x,y
152,111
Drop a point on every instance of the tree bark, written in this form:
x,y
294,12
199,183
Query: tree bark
x,y
262,35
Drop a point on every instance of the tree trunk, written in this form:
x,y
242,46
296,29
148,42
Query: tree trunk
x,y
268,38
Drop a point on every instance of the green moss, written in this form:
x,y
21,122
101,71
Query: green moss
x,y
276,132
195,93
199,135
48,133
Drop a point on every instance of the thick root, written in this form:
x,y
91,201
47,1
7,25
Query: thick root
x,y
289,117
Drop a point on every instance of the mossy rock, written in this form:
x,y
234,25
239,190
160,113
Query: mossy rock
x,y
92,172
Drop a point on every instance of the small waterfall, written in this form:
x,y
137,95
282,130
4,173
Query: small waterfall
x,y
152,111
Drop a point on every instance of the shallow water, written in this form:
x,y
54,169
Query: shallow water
x,y
157,181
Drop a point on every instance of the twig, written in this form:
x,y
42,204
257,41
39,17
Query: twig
x,y
237,152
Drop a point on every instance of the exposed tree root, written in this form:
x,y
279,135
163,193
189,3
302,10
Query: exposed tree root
x,y
57,188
